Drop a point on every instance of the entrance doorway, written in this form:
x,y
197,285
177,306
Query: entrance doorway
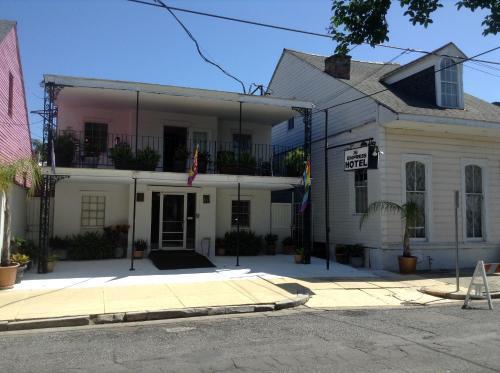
x,y
174,149
177,220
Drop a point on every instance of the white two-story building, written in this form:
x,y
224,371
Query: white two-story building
x,y
435,139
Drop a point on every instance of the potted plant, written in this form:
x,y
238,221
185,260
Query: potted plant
x,y
92,152
203,161
294,162
226,162
342,254
147,159
117,237
288,245
219,246
51,263
356,255
247,164
140,246
409,213
271,243
23,261
299,255
181,155
30,169
122,156
64,149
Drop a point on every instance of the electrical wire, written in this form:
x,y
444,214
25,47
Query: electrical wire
x,y
198,48
305,32
485,72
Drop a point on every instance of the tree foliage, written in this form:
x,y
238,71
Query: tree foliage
x,y
364,21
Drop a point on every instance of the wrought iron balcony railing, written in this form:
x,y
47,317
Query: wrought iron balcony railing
x,y
170,154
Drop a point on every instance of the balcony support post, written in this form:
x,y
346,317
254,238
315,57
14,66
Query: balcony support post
x,y
239,188
132,252
327,197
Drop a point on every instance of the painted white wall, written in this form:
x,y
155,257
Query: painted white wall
x,y
18,211
260,210
67,204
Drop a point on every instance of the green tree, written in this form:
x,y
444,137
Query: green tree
x,y
409,213
26,168
364,21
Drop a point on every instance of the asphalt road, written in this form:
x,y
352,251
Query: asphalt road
x,y
430,339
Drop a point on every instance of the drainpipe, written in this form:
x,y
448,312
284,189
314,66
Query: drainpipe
x,y
135,182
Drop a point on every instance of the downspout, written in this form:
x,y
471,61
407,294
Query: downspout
x,y
239,191
327,197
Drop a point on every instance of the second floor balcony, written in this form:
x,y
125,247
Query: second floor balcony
x,y
174,153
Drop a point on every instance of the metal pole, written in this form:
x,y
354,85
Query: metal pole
x,y
133,228
135,181
327,197
457,270
239,191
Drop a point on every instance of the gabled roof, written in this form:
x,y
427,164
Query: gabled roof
x,y
5,27
366,78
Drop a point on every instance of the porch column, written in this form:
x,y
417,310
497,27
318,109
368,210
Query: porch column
x,y
135,182
239,189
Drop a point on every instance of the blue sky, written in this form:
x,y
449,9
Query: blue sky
x,y
116,39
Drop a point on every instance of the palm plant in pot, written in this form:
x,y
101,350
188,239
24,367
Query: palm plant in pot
x,y
410,214
140,246
30,170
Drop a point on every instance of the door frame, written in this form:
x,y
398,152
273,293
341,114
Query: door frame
x,y
184,221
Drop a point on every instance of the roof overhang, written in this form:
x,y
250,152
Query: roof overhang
x,y
107,176
445,125
224,105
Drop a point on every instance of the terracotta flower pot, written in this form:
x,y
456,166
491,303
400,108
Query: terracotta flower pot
x,y
138,254
298,258
221,251
8,276
50,265
407,264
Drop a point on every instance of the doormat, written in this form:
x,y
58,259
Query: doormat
x,y
179,259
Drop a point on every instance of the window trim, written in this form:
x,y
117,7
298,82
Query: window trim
x,y
427,161
483,163
249,227
460,87
354,192
93,193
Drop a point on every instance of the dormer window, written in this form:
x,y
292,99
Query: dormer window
x,y
449,83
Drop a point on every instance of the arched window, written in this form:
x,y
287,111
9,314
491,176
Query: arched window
x,y
474,201
449,83
416,192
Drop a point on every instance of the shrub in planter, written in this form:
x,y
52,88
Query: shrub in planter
x,y
147,159
294,162
64,149
140,246
226,163
288,245
219,246
122,156
51,262
299,255
90,245
26,247
23,261
342,254
180,157
117,235
271,243
250,243
247,164
356,255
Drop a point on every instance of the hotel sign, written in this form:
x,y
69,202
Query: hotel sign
x,y
356,159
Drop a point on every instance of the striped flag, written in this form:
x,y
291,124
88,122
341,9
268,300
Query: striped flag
x,y
194,168
307,186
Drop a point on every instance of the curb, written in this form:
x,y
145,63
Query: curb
x,y
134,316
453,295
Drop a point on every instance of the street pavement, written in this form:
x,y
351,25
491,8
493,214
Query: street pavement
x,y
407,339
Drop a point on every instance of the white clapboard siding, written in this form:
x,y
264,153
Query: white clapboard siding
x,y
295,78
446,152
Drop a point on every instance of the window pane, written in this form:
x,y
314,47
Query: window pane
x,y
93,211
419,176
361,191
244,216
417,230
478,180
469,179
410,176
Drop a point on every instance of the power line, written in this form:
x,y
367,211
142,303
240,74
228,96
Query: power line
x,y
198,48
305,32
480,70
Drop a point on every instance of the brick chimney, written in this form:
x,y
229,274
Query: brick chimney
x,y
338,66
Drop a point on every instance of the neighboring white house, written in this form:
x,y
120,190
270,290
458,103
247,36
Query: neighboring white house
x,y
101,115
434,137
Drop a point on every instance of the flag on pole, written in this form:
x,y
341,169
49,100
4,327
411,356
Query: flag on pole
x,y
194,168
307,186
52,157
